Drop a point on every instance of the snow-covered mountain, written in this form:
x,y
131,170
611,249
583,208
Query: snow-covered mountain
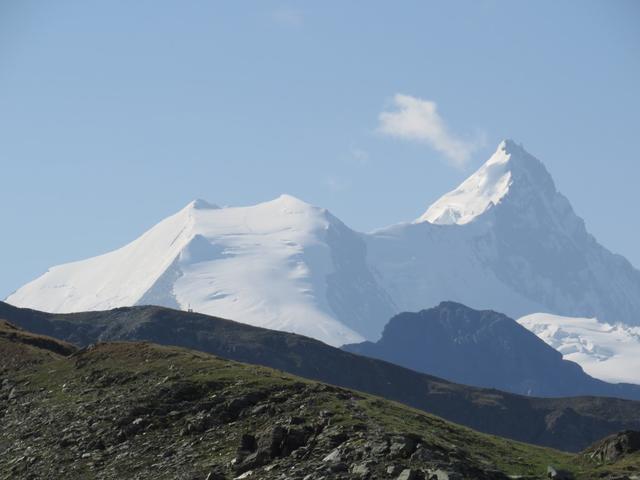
x,y
505,240
605,351
283,264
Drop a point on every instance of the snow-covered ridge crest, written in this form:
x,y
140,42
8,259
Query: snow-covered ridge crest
x,y
487,186
282,264
116,278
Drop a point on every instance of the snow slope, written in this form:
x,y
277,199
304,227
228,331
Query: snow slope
x,y
505,239
476,194
282,264
605,351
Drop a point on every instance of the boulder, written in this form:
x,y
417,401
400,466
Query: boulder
x,y
410,474
333,457
403,446
556,474
614,447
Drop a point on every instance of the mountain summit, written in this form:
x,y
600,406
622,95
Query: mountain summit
x,y
505,239
510,167
281,264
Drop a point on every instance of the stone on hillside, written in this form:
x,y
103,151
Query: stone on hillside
x,y
294,439
247,443
272,440
403,446
254,460
614,447
393,470
362,470
555,474
410,474
338,467
333,457
424,455
440,474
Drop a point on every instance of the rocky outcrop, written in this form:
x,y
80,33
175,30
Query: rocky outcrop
x,y
614,447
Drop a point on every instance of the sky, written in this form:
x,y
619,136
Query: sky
x,y
114,115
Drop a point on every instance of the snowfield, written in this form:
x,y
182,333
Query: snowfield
x,y
604,351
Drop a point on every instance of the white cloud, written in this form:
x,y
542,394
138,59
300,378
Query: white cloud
x,y
417,119
288,17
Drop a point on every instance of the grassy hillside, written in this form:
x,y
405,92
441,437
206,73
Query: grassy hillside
x,y
137,410
19,347
567,423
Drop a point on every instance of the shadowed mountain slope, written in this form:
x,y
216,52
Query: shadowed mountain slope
x,y
566,423
486,349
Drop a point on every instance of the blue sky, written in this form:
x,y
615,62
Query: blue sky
x,y
116,114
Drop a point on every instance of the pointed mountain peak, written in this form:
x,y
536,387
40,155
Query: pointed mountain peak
x,y
510,165
516,156
200,204
510,146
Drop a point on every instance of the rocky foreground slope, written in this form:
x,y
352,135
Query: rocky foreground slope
x,y
569,424
136,410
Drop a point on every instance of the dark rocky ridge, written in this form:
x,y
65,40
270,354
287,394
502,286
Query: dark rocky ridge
x,y
485,349
567,423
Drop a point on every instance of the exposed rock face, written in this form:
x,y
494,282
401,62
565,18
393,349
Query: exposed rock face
x,y
615,447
